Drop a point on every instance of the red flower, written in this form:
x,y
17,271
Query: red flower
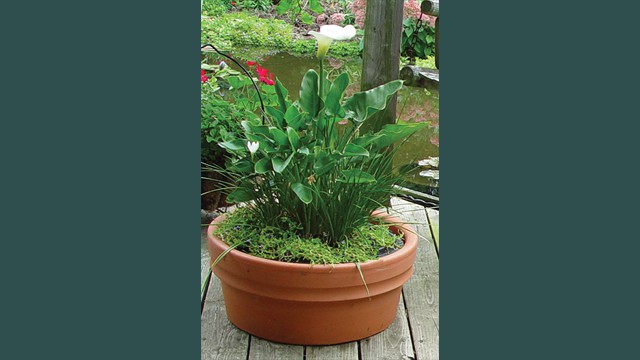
x,y
262,72
265,76
233,3
251,63
203,77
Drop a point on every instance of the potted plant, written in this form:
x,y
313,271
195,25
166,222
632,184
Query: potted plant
x,y
311,260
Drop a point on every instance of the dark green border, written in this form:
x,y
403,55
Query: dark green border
x,y
100,186
100,176
539,188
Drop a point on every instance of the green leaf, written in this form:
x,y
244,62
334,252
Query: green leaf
x,y
294,119
306,18
294,138
279,164
305,194
355,150
309,99
323,164
276,114
263,165
332,101
367,139
235,145
391,133
282,93
314,5
364,104
279,136
283,6
255,129
356,176
243,166
241,195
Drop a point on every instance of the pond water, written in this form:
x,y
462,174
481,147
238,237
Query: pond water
x,y
414,104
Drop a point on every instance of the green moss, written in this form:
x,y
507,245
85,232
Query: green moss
x,y
281,242
237,29
240,28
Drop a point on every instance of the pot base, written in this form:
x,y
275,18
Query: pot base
x,y
310,323
306,304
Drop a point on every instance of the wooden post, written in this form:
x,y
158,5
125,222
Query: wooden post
x,y
381,53
432,7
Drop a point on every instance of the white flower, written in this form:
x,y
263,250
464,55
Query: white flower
x,y
328,33
253,146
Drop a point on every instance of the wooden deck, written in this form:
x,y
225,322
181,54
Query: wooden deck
x,y
413,335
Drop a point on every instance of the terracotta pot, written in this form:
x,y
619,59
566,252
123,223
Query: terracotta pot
x,y
312,304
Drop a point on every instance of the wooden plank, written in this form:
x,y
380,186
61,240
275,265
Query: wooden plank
x,y
347,351
391,344
421,292
416,215
219,338
434,223
265,350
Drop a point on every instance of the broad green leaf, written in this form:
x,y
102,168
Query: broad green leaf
x,y
235,145
314,5
243,166
356,176
276,114
299,122
391,133
304,151
305,194
323,164
292,113
254,129
366,140
279,136
294,138
355,150
282,93
366,103
279,164
309,99
263,165
241,195
332,101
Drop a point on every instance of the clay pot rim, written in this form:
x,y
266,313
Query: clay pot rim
x,y
395,224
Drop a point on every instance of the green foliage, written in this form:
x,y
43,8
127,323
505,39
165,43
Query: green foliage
x,y
227,99
417,41
325,178
215,7
259,5
281,241
300,10
338,48
240,28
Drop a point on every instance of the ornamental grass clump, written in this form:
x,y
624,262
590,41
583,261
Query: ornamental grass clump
x,y
301,165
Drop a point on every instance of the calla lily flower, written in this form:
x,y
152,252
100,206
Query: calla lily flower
x,y
253,146
328,33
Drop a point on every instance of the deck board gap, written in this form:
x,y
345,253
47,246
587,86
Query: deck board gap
x,y
249,346
407,315
203,295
